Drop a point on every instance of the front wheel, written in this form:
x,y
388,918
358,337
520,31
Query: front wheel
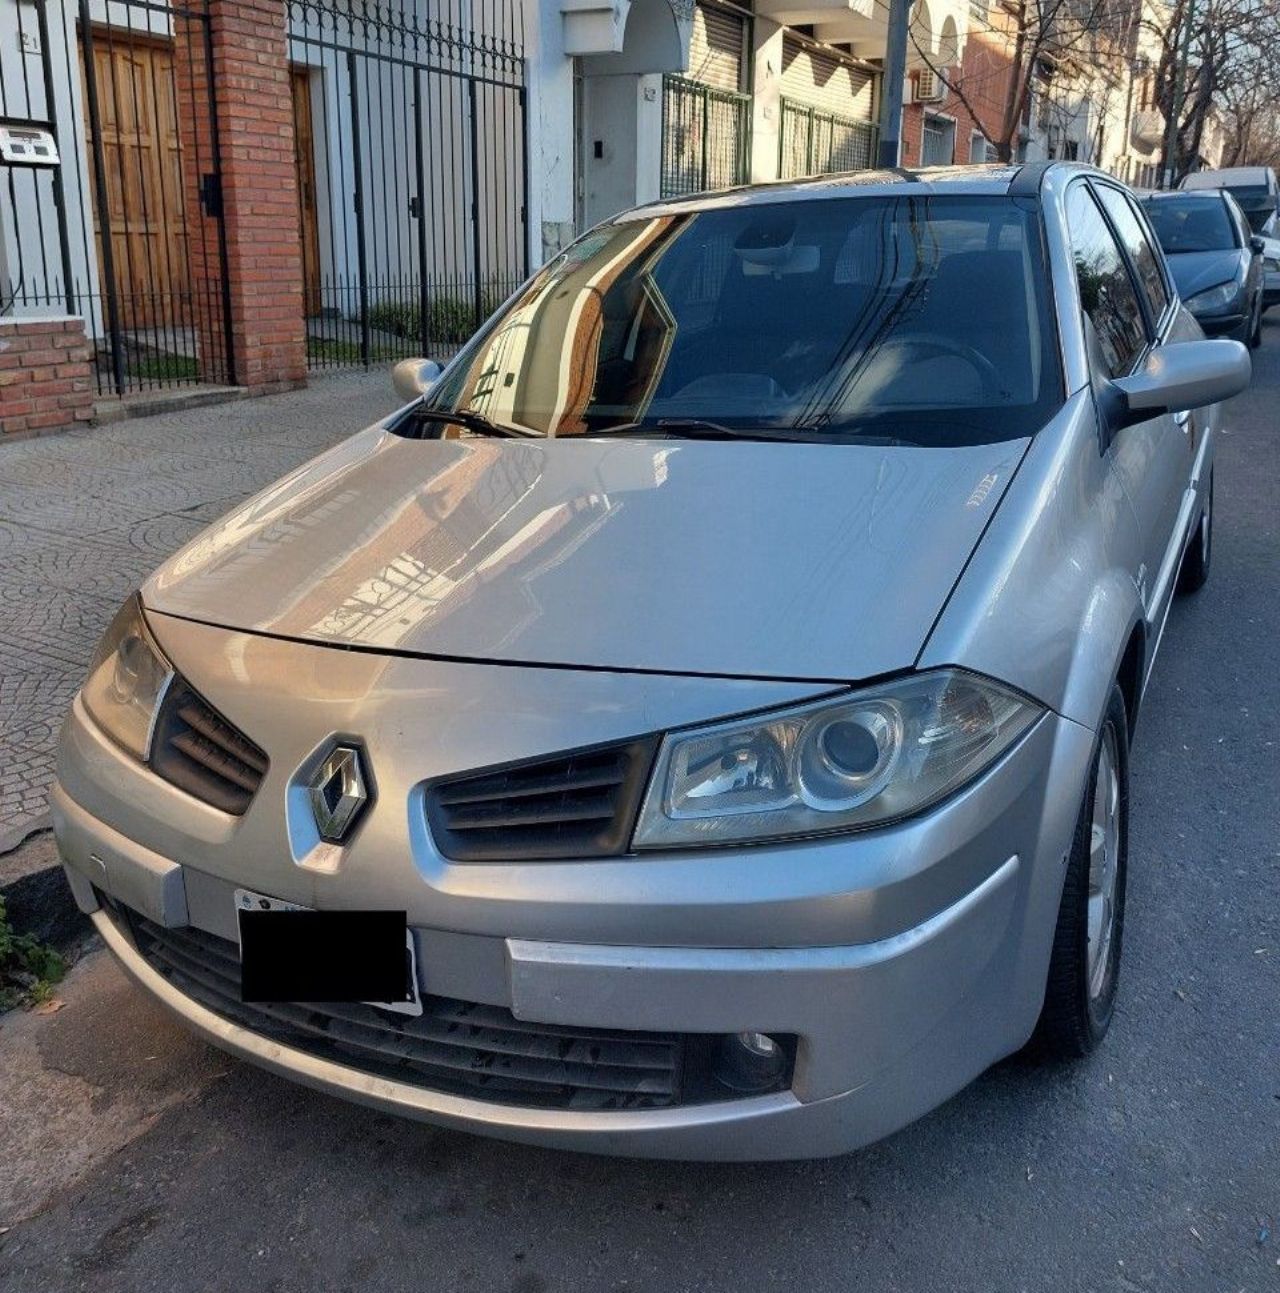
x,y
1255,333
1080,993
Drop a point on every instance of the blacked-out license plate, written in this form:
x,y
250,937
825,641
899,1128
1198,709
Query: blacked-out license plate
x,y
300,955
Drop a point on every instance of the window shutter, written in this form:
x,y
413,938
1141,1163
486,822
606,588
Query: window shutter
x,y
820,81
717,52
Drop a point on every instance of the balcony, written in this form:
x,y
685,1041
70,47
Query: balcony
x,y
938,26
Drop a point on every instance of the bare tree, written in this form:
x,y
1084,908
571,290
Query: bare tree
x,y
1026,34
1229,65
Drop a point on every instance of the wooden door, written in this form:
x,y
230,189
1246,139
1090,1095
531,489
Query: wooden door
x,y
142,166
305,168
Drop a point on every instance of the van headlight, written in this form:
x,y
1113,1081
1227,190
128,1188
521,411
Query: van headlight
x,y
127,681
855,760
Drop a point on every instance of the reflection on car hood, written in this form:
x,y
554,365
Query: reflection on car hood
x,y
1194,271
750,559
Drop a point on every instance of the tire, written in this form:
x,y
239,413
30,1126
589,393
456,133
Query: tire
x,y
1080,992
1255,334
1195,561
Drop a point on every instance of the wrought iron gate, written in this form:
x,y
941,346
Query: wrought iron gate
x,y
706,137
412,172
815,142
127,230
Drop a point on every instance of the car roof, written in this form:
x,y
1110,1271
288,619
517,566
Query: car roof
x,y
992,180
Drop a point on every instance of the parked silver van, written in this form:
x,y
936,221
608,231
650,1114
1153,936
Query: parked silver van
x,y
1253,187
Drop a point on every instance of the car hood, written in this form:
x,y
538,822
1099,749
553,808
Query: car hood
x,y
1194,271
749,559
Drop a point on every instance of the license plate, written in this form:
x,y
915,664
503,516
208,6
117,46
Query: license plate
x,y
278,950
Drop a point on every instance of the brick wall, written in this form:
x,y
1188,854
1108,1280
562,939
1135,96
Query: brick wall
x,y
45,379
986,73
912,126
259,188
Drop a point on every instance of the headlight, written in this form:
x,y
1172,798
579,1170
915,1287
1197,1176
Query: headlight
x,y
856,760
127,681
1214,301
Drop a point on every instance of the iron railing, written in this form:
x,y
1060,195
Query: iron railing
x,y
410,134
937,142
706,137
813,141
126,231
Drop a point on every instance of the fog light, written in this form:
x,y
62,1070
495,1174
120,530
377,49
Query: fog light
x,y
750,1062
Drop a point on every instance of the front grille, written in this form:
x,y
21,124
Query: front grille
x,y
197,750
454,1046
575,805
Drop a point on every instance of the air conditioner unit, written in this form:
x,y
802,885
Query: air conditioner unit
x,y
928,86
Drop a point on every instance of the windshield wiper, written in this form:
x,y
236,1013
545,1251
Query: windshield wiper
x,y
692,429
468,419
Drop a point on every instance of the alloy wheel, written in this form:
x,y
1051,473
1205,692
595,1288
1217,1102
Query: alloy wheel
x,y
1104,864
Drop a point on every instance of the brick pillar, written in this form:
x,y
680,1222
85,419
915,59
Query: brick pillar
x,y
250,70
46,382
912,134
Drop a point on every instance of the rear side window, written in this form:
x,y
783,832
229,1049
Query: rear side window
x,y
1107,292
1141,253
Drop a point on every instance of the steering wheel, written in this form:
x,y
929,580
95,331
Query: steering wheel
x,y
993,388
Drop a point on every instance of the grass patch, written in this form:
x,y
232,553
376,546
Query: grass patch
x,y
28,967
164,368
334,350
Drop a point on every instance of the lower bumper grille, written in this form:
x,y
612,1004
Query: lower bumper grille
x,y
454,1046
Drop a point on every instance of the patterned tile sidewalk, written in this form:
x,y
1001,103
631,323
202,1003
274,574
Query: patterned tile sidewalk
x,y
86,515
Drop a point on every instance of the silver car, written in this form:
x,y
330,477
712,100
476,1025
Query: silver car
x,y
698,726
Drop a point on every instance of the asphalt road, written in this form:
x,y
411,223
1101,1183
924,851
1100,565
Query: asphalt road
x,y
141,1159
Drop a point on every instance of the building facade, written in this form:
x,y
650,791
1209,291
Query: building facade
x,y
247,192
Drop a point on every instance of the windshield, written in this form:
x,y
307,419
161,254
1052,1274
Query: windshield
x,y
1191,224
917,319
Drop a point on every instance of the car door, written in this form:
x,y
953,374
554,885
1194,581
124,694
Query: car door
x,y
1130,308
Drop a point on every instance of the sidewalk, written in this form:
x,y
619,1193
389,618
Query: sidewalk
x,y
86,515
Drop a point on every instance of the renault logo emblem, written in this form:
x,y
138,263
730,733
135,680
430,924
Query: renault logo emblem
x,y
339,792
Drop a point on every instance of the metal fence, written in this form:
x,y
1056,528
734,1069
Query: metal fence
x,y
706,137
814,142
126,229
410,133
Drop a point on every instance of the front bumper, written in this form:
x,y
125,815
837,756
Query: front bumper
x,y
904,960
1234,326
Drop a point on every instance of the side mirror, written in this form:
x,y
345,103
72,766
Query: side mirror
x,y
413,378
1179,376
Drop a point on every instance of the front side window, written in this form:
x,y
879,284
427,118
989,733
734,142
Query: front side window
x,y
1107,292
1142,254
918,319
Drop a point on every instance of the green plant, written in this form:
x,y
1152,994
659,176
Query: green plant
x,y
450,319
400,318
164,368
335,350
28,967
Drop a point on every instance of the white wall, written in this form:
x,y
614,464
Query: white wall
x,y
30,254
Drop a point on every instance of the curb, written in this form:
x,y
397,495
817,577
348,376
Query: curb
x,y
40,903
150,403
